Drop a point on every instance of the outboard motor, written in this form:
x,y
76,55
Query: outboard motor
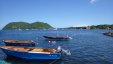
x,y
59,48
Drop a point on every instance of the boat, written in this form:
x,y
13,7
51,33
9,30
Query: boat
x,y
108,34
57,37
19,42
30,53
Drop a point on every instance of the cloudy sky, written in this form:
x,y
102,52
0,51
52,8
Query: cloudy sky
x,y
58,13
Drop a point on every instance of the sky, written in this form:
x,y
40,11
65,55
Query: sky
x,y
57,13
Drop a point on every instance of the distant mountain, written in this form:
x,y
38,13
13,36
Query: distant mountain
x,y
25,25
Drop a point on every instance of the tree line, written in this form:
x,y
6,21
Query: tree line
x,y
104,26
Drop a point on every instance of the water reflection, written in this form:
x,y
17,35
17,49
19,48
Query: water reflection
x,y
15,60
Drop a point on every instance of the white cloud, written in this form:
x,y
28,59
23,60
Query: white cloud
x,y
93,1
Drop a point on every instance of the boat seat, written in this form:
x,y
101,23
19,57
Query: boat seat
x,y
37,50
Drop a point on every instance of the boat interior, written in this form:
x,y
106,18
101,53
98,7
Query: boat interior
x,y
26,49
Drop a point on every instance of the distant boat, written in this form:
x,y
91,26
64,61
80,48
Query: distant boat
x,y
19,42
108,34
57,37
31,53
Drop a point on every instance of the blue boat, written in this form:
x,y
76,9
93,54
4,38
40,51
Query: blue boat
x,y
57,37
31,53
19,42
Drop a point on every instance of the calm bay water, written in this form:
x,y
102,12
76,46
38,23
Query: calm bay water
x,y
87,46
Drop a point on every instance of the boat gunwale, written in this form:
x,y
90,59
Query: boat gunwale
x,y
19,41
57,37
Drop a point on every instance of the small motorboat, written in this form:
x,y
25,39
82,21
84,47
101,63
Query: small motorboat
x,y
31,53
57,37
19,42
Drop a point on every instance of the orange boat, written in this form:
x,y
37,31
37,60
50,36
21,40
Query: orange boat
x,y
19,42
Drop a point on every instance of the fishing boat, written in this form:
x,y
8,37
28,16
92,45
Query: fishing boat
x,y
57,37
31,53
19,42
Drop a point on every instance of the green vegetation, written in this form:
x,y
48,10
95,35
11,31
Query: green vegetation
x,y
25,25
42,25
104,26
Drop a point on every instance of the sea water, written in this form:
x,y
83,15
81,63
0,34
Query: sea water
x,y
86,46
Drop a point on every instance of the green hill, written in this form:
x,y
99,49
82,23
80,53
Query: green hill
x,y
40,25
25,25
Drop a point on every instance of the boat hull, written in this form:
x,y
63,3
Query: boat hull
x,y
108,34
32,56
56,38
19,44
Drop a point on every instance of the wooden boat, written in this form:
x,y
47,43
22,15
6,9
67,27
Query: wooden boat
x,y
57,37
19,42
31,53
